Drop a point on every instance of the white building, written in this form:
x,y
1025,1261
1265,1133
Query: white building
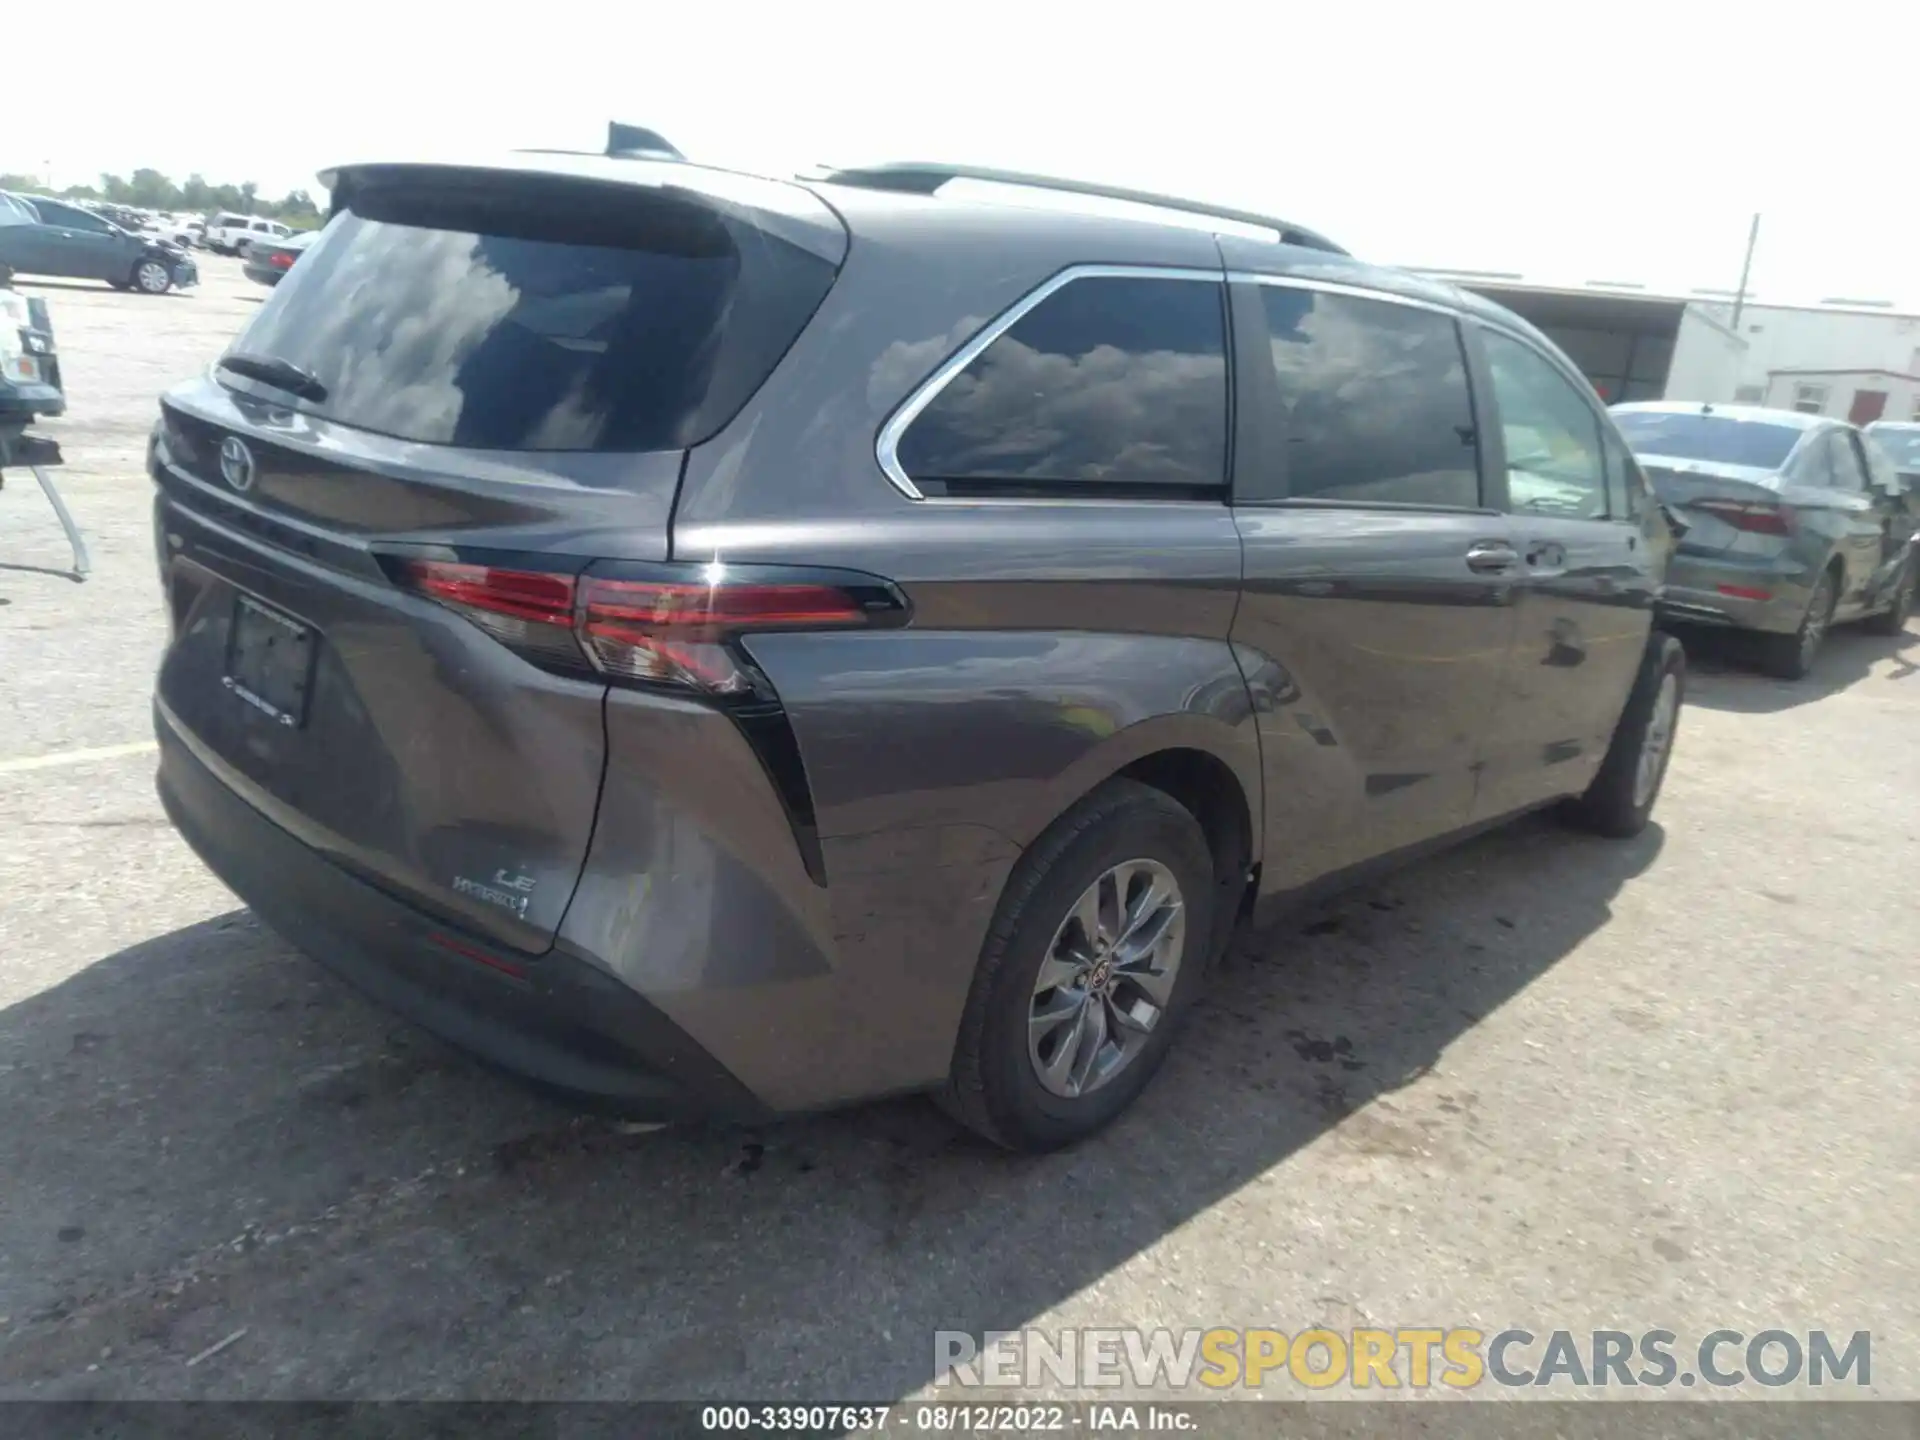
x,y
1862,396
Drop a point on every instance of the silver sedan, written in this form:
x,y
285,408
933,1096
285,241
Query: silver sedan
x,y
1794,523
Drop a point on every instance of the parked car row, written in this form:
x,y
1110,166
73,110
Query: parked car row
x,y
43,236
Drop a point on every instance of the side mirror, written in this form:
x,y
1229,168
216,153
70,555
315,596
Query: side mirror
x,y
1675,524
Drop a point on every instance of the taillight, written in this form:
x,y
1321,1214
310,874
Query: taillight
x,y
281,260
530,611
675,633
659,624
1757,518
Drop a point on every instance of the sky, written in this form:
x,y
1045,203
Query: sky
x,y
1569,143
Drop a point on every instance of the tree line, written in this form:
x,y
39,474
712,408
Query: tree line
x,y
150,190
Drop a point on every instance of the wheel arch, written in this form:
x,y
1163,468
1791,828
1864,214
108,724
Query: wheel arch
x,y
1207,766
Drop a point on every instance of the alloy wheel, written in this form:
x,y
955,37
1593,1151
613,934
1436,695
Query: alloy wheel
x,y
1657,741
1813,629
152,277
1107,978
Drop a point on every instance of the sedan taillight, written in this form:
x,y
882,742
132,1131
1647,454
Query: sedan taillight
x,y
1757,518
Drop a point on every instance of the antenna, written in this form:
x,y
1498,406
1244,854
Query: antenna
x,y
636,142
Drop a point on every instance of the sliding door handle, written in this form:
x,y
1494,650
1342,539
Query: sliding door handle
x,y
1492,557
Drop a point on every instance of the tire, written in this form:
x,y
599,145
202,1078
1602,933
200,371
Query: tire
x,y
1791,657
1621,798
995,1086
1893,619
151,277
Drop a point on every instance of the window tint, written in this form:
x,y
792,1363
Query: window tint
x,y
1552,434
1375,399
537,317
1848,471
1109,381
52,212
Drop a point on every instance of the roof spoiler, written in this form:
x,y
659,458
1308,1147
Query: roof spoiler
x,y
636,142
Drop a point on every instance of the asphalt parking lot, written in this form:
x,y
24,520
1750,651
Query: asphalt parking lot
x,y
1546,1080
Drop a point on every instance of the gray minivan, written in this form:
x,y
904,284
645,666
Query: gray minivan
x,y
722,644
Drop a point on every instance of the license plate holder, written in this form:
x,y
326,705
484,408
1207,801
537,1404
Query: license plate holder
x,y
270,661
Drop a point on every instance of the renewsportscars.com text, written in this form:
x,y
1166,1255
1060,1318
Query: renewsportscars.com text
x,y
1415,1357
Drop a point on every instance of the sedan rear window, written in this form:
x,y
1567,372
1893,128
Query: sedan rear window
x,y
536,316
1687,435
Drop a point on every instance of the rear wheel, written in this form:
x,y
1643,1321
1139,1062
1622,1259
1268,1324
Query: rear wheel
x,y
150,277
1893,619
1620,800
1791,657
1095,951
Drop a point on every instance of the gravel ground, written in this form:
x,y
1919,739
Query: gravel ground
x,y
1544,1080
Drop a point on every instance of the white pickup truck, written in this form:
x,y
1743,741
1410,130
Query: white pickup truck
x,y
231,234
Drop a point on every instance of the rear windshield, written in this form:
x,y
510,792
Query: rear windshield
x,y
1901,442
1685,435
536,316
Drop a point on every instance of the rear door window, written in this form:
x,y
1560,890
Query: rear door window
x,y
1376,403
536,316
1555,464
1111,383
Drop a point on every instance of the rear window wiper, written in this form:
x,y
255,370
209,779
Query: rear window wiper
x,y
282,374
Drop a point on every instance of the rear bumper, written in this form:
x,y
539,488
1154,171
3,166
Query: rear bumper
x,y
1725,589
22,400
553,1019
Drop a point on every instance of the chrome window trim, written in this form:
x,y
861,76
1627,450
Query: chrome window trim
x,y
1338,287
886,447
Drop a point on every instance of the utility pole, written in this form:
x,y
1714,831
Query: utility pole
x,y
1746,269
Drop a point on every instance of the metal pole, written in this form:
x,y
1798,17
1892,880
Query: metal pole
x,y
81,564
1746,269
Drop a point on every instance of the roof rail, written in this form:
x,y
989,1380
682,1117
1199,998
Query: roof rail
x,y
915,177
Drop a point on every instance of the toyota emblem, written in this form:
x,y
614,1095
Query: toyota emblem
x,y
236,463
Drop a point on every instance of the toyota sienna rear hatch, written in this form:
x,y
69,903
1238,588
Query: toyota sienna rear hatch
x,y
372,512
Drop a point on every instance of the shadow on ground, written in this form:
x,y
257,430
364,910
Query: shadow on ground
x,y
213,1114
1726,660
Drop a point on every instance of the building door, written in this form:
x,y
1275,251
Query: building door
x,y
1868,406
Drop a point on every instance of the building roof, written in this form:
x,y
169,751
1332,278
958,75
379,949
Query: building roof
x,y
1664,294
1890,374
